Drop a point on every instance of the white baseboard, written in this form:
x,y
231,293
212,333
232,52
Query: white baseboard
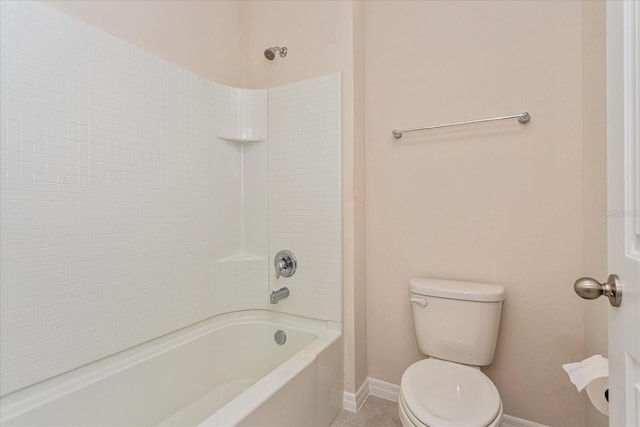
x,y
383,389
354,401
509,421
388,391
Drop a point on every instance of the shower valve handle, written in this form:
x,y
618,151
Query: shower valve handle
x,y
285,263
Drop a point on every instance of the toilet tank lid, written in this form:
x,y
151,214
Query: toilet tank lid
x,y
453,289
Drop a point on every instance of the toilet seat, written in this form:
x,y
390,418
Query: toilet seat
x,y
445,394
409,420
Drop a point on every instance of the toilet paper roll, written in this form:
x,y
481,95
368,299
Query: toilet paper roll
x,y
592,373
598,392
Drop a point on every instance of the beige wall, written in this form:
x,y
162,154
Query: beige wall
x,y
359,184
201,36
594,203
499,203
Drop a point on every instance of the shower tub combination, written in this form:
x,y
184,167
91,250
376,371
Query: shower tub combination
x,y
225,371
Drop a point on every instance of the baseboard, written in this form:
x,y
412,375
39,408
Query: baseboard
x,y
383,389
509,421
388,391
354,401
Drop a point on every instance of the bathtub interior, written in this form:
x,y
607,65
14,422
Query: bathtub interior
x,y
179,379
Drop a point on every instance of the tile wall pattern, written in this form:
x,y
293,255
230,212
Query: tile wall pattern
x,y
126,212
305,194
116,195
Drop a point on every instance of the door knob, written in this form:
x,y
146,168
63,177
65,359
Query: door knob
x,y
589,288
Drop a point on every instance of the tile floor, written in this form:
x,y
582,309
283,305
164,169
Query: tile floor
x,y
375,412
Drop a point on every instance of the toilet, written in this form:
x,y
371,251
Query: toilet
x,y
456,325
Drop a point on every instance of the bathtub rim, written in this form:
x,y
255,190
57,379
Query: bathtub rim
x,y
21,401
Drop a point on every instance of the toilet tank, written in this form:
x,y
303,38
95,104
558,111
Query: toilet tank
x,y
456,321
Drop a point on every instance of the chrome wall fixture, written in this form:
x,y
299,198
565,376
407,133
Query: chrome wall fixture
x,y
270,53
278,295
522,118
285,263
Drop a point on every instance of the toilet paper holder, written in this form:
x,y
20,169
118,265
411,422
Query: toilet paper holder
x,y
589,288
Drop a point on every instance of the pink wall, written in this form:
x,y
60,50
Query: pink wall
x,y
499,203
202,36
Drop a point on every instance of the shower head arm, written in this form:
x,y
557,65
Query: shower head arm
x,y
270,53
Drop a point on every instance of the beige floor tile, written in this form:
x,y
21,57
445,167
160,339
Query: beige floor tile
x,y
375,412
340,423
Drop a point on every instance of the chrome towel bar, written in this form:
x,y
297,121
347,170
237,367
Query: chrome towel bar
x,y
522,118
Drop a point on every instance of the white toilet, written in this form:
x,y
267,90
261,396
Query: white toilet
x,y
457,326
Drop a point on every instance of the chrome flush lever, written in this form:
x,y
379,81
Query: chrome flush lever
x,y
285,263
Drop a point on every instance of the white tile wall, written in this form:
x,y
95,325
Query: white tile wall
x,y
241,262
255,190
244,112
241,283
116,196
123,213
305,194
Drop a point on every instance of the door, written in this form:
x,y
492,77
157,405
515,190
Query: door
x,y
623,205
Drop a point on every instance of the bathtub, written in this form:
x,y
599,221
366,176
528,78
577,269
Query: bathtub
x,y
225,371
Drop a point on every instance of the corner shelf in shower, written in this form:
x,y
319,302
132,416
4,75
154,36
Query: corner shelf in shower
x,y
242,257
240,138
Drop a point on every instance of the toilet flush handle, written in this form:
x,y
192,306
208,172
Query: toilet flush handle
x,y
420,301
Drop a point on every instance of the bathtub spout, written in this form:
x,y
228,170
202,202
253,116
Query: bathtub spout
x,y
276,296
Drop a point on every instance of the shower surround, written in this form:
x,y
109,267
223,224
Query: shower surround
x,y
138,198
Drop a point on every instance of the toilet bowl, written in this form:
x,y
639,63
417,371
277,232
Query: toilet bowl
x,y
456,325
436,393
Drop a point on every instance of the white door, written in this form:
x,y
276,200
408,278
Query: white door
x,y
623,203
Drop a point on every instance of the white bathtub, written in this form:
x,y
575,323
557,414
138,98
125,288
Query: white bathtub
x,y
225,371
